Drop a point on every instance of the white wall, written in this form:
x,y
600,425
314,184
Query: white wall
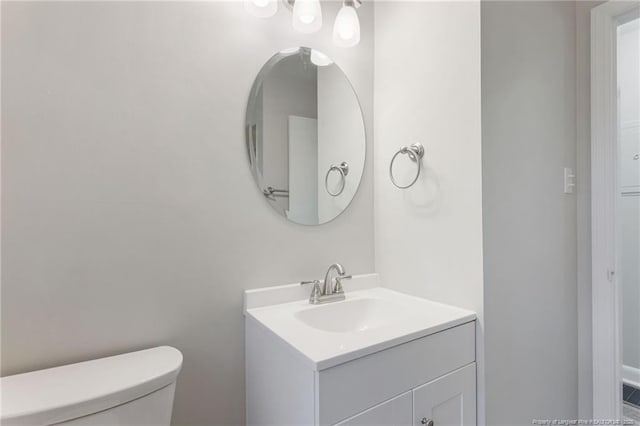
x,y
529,224
130,217
583,201
427,89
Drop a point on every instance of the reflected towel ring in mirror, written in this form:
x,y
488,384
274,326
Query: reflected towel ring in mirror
x,y
343,169
415,152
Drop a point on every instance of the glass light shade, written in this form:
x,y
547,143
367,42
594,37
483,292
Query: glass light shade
x,y
307,16
261,8
290,50
320,59
346,29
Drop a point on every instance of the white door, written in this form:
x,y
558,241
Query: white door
x,y
447,401
303,170
395,412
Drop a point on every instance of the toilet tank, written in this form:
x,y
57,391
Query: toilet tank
x,y
136,388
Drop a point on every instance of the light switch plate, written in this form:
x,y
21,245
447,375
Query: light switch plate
x,y
569,180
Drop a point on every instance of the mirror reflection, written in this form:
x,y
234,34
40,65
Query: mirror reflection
x,y
305,136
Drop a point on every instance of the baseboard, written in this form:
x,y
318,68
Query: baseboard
x,y
631,376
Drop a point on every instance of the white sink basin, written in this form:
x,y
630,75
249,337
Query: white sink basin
x,y
370,319
352,315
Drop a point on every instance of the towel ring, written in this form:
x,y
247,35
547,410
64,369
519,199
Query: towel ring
x,y
415,153
343,169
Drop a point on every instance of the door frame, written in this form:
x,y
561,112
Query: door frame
x,y
606,292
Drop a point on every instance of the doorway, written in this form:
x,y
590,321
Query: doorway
x,y
615,157
628,213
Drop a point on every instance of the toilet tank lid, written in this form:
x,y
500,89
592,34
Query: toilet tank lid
x,y
62,393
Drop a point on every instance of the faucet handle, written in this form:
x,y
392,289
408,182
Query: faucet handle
x,y
338,288
316,291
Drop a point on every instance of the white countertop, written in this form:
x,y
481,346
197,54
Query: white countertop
x,y
322,349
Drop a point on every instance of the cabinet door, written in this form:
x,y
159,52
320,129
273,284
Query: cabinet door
x,y
447,401
395,412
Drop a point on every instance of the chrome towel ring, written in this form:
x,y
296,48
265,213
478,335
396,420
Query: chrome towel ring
x,y
343,169
415,153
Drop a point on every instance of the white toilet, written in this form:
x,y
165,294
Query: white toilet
x,y
131,389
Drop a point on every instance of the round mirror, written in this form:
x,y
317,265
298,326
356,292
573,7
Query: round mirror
x,y
305,136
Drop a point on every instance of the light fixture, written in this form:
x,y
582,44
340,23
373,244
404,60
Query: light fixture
x,y
289,51
261,8
346,28
307,16
320,59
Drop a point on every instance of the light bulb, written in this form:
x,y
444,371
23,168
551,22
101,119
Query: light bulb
x,y
261,8
307,16
346,28
290,50
307,19
320,59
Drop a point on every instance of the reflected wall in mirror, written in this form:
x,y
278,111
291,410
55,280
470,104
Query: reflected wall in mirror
x,y
305,136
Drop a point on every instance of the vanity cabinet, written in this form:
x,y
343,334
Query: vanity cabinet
x,y
396,412
429,378
448,400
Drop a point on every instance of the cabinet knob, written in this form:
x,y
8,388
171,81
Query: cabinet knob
x,y
426,422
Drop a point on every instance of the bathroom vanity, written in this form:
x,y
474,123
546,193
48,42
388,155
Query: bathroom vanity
x,y
378,357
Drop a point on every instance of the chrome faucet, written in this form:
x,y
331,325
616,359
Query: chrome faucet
x,y
328,293
326,288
